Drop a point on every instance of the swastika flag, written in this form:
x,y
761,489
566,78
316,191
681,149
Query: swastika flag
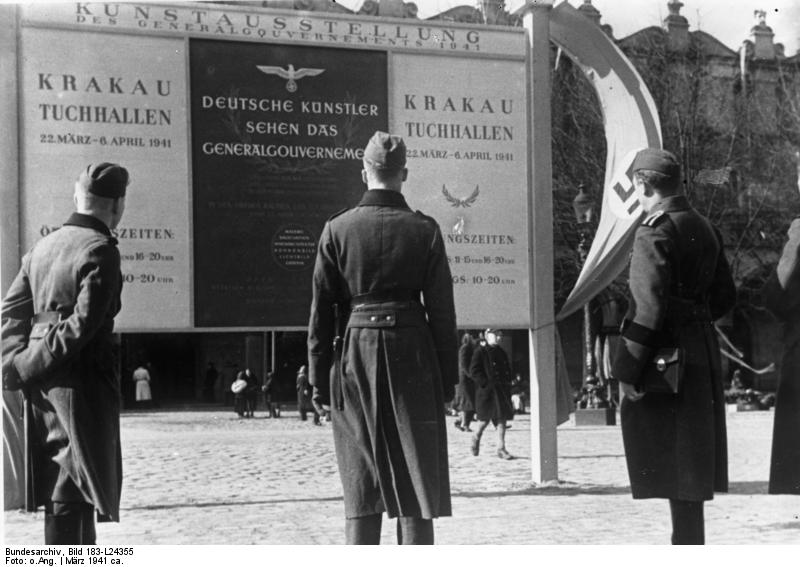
x,y
631,123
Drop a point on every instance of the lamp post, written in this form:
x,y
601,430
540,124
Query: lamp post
x,y
592,406
583,205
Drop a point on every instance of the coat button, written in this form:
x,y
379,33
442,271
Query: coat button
x,y
388,317
373,318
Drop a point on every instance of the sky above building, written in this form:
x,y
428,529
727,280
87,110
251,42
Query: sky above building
x,y
730,21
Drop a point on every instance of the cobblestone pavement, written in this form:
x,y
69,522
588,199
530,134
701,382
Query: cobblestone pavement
x,y
204,476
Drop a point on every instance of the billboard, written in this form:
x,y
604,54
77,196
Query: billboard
x,y
79,108
467,158
277,141
243,132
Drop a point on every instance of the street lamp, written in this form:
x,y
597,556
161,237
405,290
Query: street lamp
x,y
583,205
592,394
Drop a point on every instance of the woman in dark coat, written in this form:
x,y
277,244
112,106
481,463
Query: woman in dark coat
x,y
269,390
782,297
465,391
491,372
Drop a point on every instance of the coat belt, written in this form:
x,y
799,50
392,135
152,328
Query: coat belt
x,y
383,297
396,314
687,311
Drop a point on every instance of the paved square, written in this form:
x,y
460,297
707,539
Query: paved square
x,y
204,476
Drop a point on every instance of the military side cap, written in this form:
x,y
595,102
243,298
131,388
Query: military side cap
x,y
105,180
661,161
385,151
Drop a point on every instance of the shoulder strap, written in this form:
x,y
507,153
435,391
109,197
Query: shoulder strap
x,y
654,219
337,213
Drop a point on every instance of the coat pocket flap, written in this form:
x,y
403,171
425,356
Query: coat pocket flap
x,y
665,357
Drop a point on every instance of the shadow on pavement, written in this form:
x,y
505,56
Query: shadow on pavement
x,y
572,489
181,408
610,456
749,487
232,503
560,489
769,528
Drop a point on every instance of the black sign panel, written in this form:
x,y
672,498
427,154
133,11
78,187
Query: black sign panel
x,y
277,139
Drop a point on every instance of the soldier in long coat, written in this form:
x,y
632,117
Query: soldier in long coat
x,y
782,296
680,282
58,318
384,269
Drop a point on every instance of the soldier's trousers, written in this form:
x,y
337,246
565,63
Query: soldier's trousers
x,y
366,530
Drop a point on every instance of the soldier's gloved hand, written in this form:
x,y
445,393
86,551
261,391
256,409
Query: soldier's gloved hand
x,y
629,391
320,398
321,410
11,379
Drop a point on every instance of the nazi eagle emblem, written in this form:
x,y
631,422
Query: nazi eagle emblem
x,y
291,74
456,202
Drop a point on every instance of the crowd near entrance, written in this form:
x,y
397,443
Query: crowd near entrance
x,y
179,363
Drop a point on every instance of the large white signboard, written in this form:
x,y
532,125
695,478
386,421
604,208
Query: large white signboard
x,y
108,82
464,123
82,105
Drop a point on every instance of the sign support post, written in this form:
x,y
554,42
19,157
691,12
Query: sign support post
x,y
541,335
9,148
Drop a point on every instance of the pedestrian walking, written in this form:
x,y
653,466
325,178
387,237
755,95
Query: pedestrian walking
x,y
465,391
519,394
393,349
680,282
782,297
58,348
491,371
239,390
268,388
304,396
250,393
144,395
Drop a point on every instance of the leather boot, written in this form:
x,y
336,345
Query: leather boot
x,y
688,524
63,523
88,531
414,531
365,530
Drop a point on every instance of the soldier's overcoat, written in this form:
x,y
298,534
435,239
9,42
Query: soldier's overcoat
x,y
398,357
68,366
782,297
680,282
